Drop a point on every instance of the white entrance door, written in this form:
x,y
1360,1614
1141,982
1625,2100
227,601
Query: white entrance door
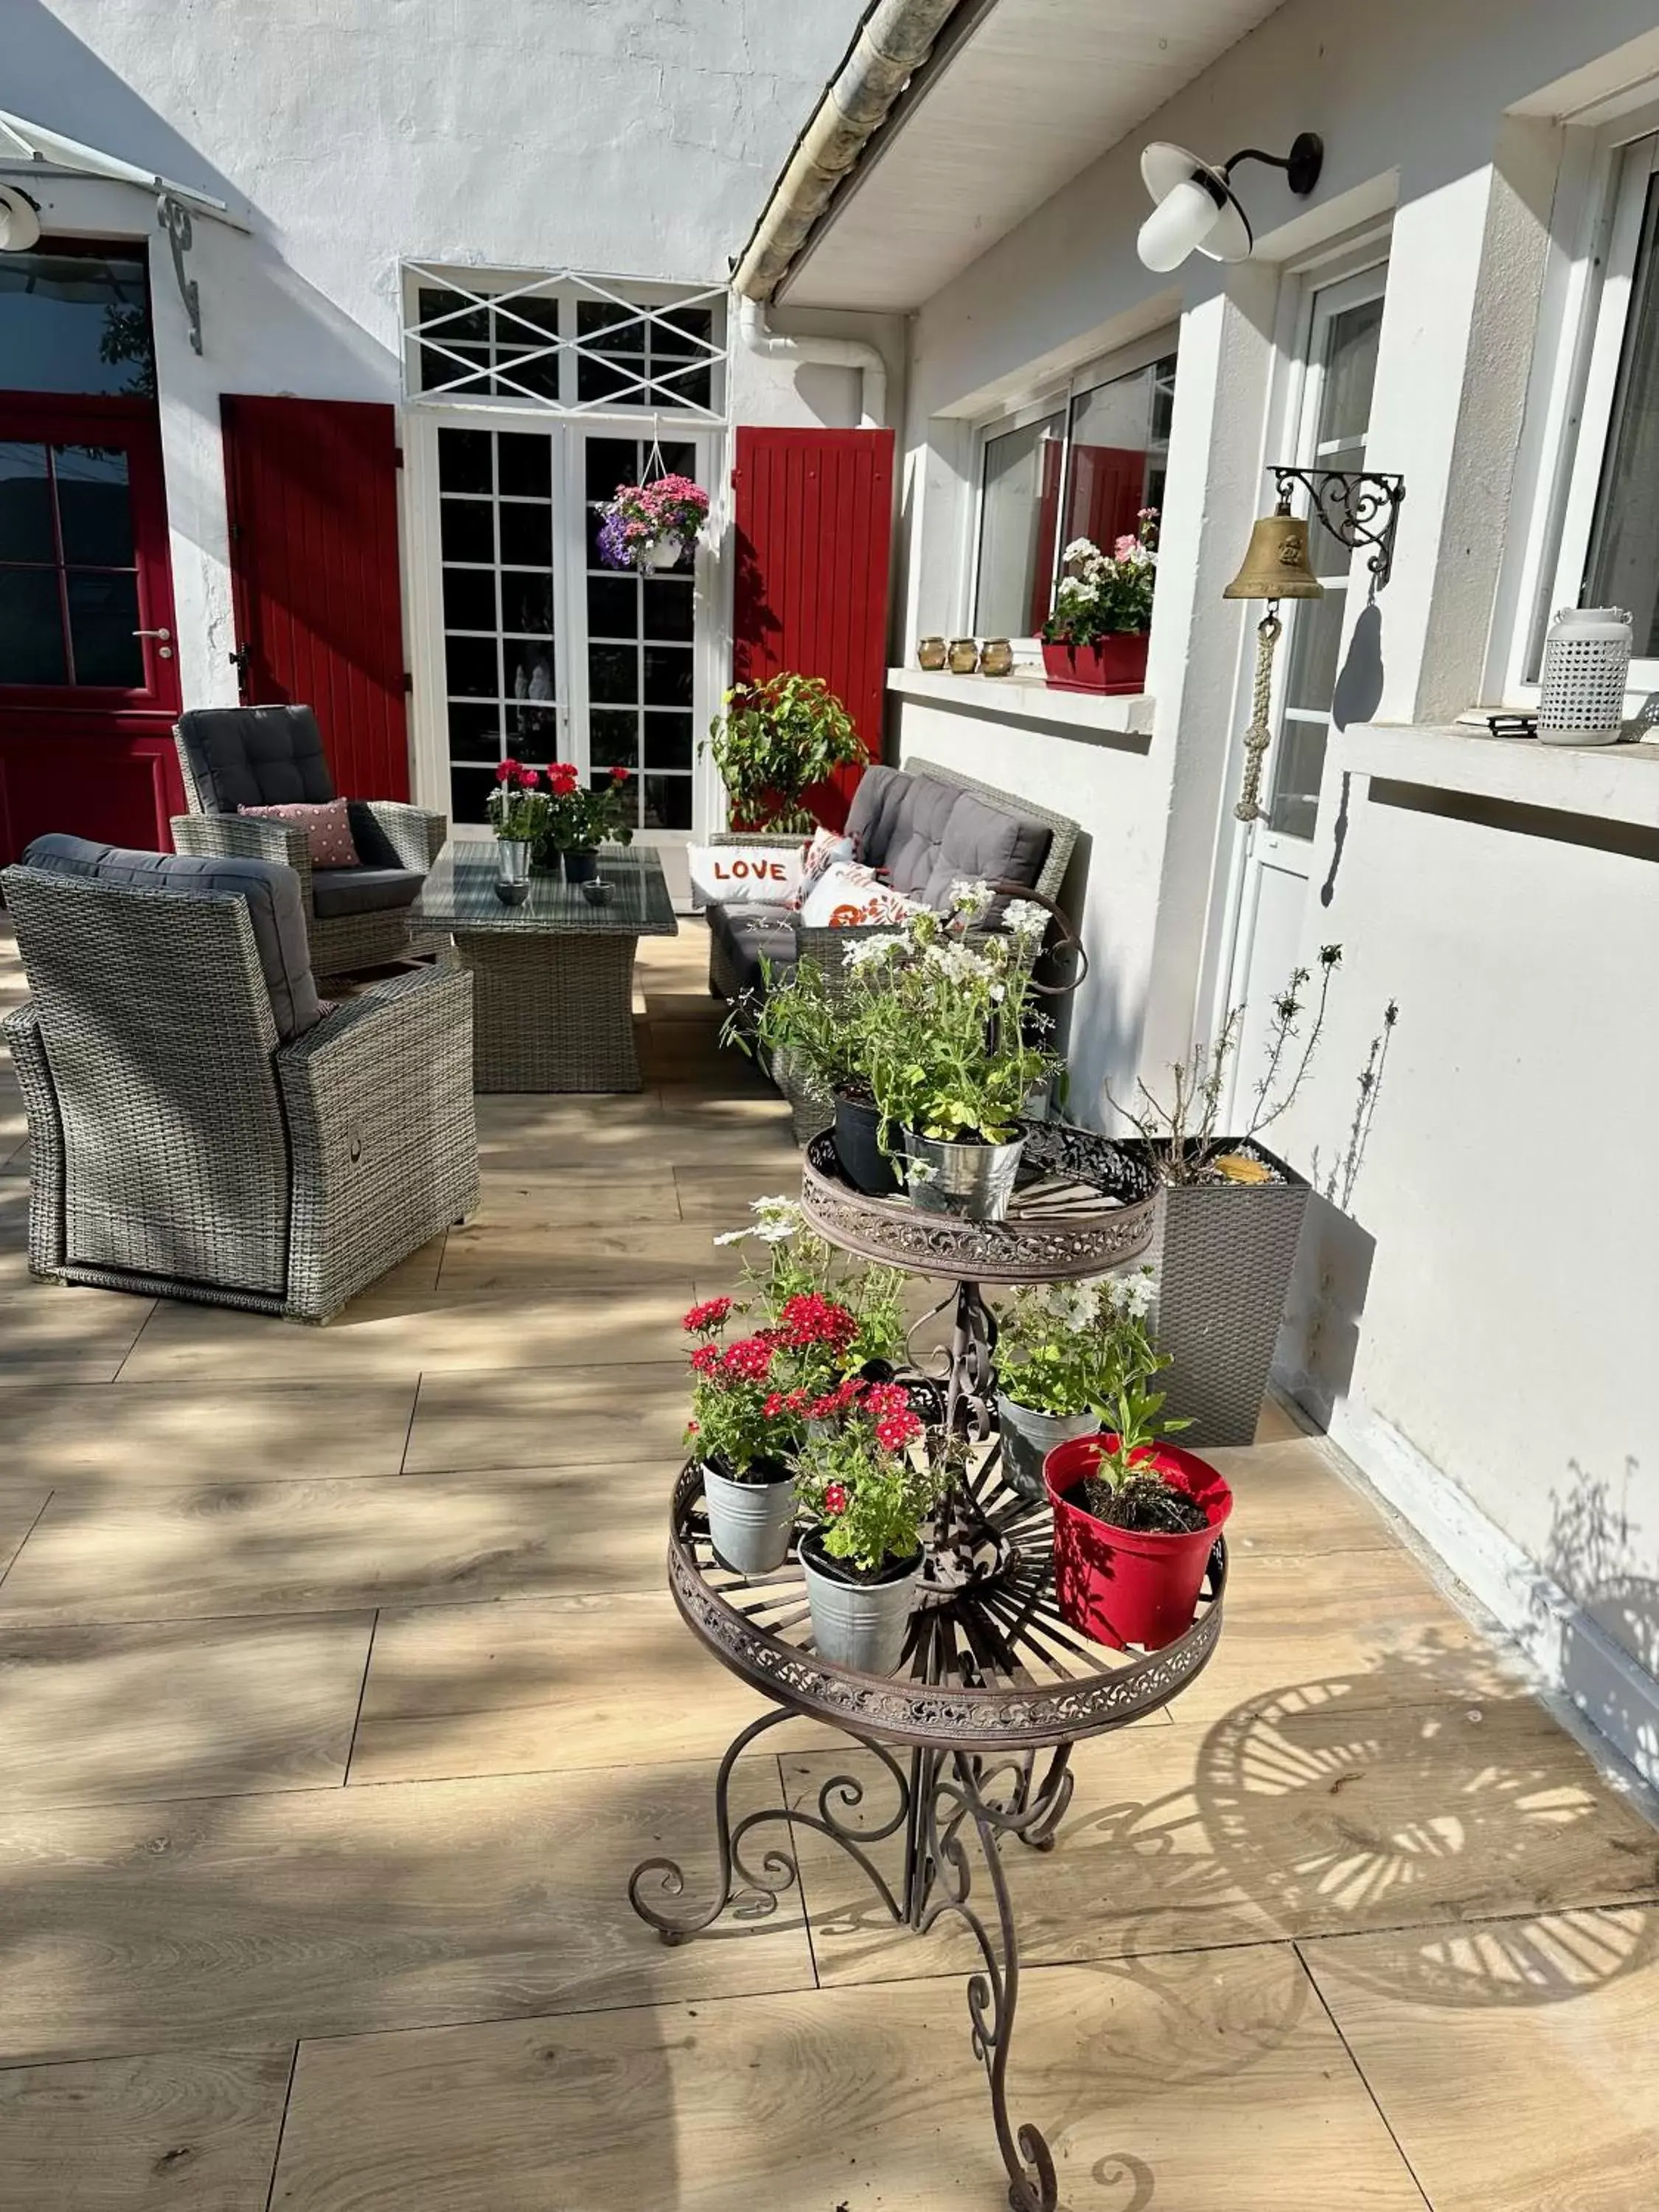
x,y
1337,366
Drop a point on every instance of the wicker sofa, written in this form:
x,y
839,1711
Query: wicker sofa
x,y
202,1125
232,756
925,827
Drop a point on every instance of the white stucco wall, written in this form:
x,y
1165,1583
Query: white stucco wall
x,y
1494,1371
632,137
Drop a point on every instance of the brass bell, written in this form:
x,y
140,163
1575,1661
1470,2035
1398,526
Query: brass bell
x,y
1276,564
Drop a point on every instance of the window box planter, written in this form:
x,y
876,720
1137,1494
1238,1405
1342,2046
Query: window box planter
x,y
1110,666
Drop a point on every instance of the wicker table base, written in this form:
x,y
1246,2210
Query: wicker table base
x,y
551,1013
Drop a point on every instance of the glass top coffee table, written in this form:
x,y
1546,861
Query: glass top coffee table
x,y
553,979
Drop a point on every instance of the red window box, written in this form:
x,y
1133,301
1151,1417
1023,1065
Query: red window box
x,y
1111,666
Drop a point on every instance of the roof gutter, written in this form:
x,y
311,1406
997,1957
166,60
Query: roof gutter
x,y
895,38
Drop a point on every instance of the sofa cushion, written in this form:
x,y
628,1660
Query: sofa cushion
x,y
870,816
915,846
255,756
272,895
339,891
749,935
988,842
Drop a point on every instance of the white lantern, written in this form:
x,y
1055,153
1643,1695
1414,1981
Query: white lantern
x,y
1586,663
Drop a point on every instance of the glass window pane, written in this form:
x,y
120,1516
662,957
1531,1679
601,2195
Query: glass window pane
x,y
1120,438
1294,806
469,598
75,323
613,739
1316,628
517,372
528,320
464,461
668,740
527,537
613,674
604,327
668,609
527,601
453,318
471,668
457,368
532,732
25,504
529,664
103,613
1350,371
94,511
677,334
667,676
467,529
469,792
1018,522
526,462
475,732
682,386
1623,569
667,802
613,606
608,462
610,379
31,628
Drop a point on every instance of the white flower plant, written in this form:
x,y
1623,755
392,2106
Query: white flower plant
x,y
1106,594
1065,1348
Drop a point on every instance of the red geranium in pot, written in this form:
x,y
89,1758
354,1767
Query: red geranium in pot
x,y
1134,1518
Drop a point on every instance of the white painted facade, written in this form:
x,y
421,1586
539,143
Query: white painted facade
x,y
633,139
1477,1330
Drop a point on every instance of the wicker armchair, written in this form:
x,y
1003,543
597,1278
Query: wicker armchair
x,y
232,756
200,1126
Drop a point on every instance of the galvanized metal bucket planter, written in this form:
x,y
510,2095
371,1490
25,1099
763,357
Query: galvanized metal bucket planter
x,y
973,1180
750,1523
1223,1254
1029,1436
858,1624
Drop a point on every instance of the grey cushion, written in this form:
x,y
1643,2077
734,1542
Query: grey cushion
x,y
983,840
272,895
870,816
927,834
256,756
750,935
917,833
337,891
374,848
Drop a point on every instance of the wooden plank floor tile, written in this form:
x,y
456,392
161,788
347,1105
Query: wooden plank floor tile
x,y
1288,1498
1300,1820
315,1546
382,1335
578,1257
174,1433
1518,2065
191,2131
72,1332
582,1198
225,1922
1211,2086
163,1708
568,1415
545,1683
21,1506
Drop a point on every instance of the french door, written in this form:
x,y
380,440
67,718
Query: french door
x,y
1336,369
528,648
88,666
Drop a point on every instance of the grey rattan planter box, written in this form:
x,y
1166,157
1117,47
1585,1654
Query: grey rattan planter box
x,y
1223,1254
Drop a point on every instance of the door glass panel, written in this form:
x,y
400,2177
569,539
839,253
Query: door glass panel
x,y
1349,371
25,504
1019,515
103,616
31,628
1623,569
76,322
1119,453
633,687
94,510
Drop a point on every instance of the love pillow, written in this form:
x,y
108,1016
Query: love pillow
x,y
744,875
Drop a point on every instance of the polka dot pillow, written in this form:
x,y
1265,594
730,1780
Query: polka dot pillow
x,y
327,828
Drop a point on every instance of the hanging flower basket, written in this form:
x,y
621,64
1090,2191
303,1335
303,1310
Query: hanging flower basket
x,y
647,527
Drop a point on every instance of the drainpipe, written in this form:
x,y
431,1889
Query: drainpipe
x,y
895,37
830,353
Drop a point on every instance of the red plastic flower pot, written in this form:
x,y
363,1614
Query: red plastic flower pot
x,y
1123,1586
1112,665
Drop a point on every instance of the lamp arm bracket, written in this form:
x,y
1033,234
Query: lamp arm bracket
x,y
1356,507
1302,165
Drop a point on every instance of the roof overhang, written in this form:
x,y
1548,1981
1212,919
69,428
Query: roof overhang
x,y
1034,93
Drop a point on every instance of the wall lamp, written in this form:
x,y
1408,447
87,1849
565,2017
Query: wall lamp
x,y
1195,208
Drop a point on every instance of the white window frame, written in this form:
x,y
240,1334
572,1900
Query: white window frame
x,y
1055,396
1605,176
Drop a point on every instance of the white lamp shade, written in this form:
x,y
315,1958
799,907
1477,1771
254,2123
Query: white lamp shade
x,y
1177,225
20,226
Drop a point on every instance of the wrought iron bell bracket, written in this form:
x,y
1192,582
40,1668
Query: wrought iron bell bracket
x,y
1356,507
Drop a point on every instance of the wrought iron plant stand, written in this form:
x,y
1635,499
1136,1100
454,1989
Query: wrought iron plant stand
x,y
975,1733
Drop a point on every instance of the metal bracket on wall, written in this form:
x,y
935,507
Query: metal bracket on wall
x,y
1356,507
172,216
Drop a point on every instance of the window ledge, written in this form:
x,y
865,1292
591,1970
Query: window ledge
x,y
1613,783
1023,696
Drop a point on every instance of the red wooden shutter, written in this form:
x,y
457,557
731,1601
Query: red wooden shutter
x,y
312,489
814,525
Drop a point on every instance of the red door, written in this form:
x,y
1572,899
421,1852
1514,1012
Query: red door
x,y
89,663
312,490
814,526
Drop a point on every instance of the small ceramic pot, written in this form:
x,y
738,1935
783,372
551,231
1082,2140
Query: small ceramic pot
x,y
857,1147
976,1181
1029,1436
750,1522
996,657
858,1624
930,652
582,864
965,656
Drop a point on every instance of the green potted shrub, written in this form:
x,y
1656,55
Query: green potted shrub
x,y
1095,638
774,741
861,1472
1058,1360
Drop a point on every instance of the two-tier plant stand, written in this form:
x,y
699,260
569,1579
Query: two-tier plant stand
x,y
973,1734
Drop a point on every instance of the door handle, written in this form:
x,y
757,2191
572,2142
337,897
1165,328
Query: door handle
x,y
153,633
164,651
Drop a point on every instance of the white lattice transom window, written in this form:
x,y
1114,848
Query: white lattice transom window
x,y
564,340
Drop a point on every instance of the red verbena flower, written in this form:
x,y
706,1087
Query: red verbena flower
x,y
748,1360
704,1319
893,1435
809,1319
706,1358
507,772
835,1498
836,1401
621,775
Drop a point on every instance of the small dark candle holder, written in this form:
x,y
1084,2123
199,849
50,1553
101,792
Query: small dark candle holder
x,y
512,894
597,892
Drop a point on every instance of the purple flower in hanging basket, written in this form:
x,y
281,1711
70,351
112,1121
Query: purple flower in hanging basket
x,y
615,549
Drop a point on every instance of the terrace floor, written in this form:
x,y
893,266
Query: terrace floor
x,y
339,1691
